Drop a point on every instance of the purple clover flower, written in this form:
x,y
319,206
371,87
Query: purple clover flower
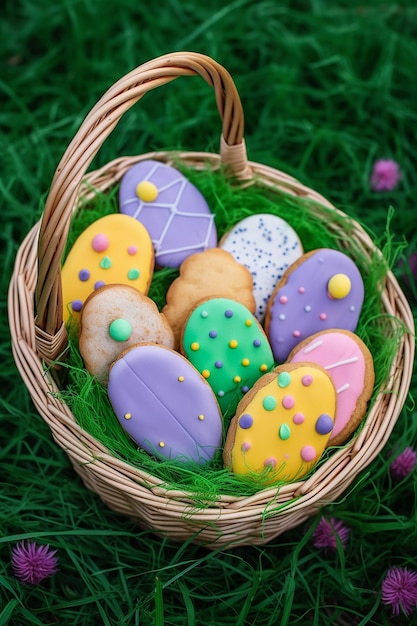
x,y
404,464
385,175
399,590
329,532
33,563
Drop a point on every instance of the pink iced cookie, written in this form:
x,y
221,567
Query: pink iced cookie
x,y
171,208
165,405
349,363
322,290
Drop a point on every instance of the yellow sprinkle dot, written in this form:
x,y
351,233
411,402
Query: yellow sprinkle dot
x,y
233,343
245,362
146,191
181,379
248,322
201,417
339,286
237,379
127,416
263,367
205,373
161,444
195,346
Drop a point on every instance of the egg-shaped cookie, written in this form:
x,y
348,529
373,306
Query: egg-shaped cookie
x,y
172,209
282,425
113,318
227,345
165,405
323,289
349,363
113,249
267,245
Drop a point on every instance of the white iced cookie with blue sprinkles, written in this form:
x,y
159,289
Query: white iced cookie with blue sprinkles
x,y
266,245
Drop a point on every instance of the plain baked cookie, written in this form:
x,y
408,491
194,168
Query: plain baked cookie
x,y
282,425
350,365
213,273
112,319
267,245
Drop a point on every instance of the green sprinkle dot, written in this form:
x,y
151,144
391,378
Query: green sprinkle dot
x,y
105,263
269,403
284,432
120,329
133,274
284,379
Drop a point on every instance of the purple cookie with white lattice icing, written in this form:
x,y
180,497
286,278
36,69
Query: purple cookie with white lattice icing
x,y
172,209
267,245
324,289
165,405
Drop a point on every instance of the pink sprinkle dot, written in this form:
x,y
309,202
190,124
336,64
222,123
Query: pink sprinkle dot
x,y
100,242
323,316
245,446
308,453
270,461
296,333
132,250
301,290
283,299
307,380
288,402
298,418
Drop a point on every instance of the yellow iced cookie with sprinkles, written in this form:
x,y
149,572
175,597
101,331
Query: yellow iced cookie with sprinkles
x,y
115,249
283,424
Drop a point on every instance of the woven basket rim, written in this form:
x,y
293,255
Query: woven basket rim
x,y
230,521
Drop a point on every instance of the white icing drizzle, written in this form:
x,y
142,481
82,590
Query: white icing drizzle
x,y
313,346
354,359
343,388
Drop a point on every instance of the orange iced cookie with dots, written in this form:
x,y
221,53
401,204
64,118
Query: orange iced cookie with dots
x,y
113,249
213,273
283,424
228,346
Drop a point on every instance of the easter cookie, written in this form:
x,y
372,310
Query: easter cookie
x,y
282,425
113,249
113,318
350,365
165,405
227,345
267,246
323,289
210,274
172,209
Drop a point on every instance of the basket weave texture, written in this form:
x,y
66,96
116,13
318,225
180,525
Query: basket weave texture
x,y
39,336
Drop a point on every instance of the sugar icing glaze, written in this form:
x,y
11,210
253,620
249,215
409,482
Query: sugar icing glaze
x,y
283,427
267,246
165,405
224,341
304,305
113,249
173,210
339,353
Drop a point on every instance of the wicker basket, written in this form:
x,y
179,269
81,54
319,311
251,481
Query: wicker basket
x,y
39,336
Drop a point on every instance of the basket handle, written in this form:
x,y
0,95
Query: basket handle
x,y
50,331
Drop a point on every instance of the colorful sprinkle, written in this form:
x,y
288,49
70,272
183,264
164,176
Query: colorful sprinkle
x,y
228,313
205,373
339,286
218,364
248,323
284,432
296,333
288,402
76,305
269,403
324,424
257,343
281,316
298,419
105,263
270,462
201,417
307,308
263,367
283,299
120,329
284,379
127,416
84,275
245,421
213,334
180,379
323,316
233,343
308,453
245,362
220,393
161,444
133,273
132,250
245,389
204,314
245,446
306,380
301,290
237,379
100,242
195,346
98,284
146,191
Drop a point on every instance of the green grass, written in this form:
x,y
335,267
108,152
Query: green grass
x,y
327,88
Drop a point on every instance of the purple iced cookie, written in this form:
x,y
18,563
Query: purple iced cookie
x,y
324,289
165,405
172,209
